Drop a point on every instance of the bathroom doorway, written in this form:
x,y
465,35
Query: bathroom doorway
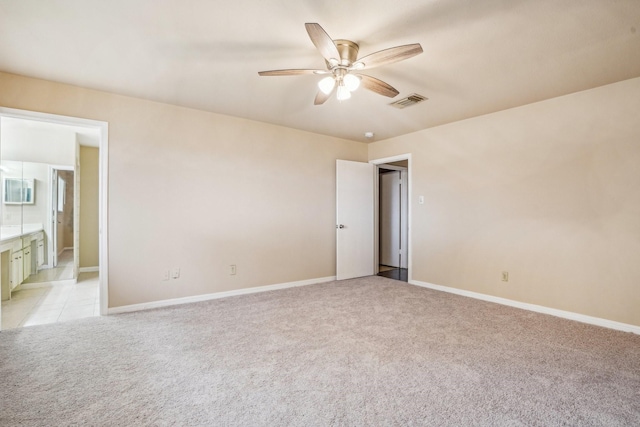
x,y
55,285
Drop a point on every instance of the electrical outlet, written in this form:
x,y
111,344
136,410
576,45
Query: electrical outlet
x,y
175,273
165,275
232,270
505,276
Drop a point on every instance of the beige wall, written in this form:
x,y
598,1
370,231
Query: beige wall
x,y
201,191
89,192
548,192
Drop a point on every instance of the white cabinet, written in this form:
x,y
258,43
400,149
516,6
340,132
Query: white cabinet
x,y
26,262
39,253
25,254
17,269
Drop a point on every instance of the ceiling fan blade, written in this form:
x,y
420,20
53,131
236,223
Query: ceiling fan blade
x,y
322,97
391,55
291,72
323,42
378,86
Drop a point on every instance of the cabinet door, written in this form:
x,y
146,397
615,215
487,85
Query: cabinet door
x,y
26,263
40,253
17,269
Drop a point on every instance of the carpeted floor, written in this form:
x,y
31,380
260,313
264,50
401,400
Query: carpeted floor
x,y
368,351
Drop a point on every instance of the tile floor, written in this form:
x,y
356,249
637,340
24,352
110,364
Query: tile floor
x,y
393,273
63,271
52,303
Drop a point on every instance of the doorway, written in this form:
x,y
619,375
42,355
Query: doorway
x,y
393,220
358,218
58,253
61,247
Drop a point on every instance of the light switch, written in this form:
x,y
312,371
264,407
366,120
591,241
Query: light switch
x,y
421,200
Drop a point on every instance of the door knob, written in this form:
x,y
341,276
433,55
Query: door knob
x,y
340,226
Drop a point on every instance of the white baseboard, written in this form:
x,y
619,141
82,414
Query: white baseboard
x,y
625,327
88,269
64,249
217,295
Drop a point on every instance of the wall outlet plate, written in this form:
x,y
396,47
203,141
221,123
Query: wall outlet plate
x,y
505,276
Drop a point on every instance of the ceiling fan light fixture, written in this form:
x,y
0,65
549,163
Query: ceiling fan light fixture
x,y
351,82
327,84
343,93
341,57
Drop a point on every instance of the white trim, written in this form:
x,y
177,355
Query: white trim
x,y
393,168
597,321
398,158
89,269
103,183
103,218
49,228
217,295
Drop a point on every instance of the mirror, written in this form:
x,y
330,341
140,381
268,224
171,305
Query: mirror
x,y
11,219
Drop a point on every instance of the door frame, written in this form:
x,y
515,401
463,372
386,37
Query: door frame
x,y
53,247
376,211
103,185
403,221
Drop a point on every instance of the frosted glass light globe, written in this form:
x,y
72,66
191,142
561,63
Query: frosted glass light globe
x,y
343,93
326,85
351,82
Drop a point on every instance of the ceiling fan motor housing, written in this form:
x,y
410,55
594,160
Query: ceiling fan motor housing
x,y
348,52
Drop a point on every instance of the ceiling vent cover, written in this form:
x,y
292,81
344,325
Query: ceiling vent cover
x,y
410,100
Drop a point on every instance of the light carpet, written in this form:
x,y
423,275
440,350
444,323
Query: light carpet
x,y
368,351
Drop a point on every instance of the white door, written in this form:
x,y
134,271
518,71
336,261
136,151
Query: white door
x,y
354,226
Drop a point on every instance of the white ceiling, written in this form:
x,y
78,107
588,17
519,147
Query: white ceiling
x,y
480,56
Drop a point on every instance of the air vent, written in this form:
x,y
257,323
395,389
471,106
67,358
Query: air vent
x,y
410,100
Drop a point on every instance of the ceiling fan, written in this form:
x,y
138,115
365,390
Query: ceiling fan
x,y
343,66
